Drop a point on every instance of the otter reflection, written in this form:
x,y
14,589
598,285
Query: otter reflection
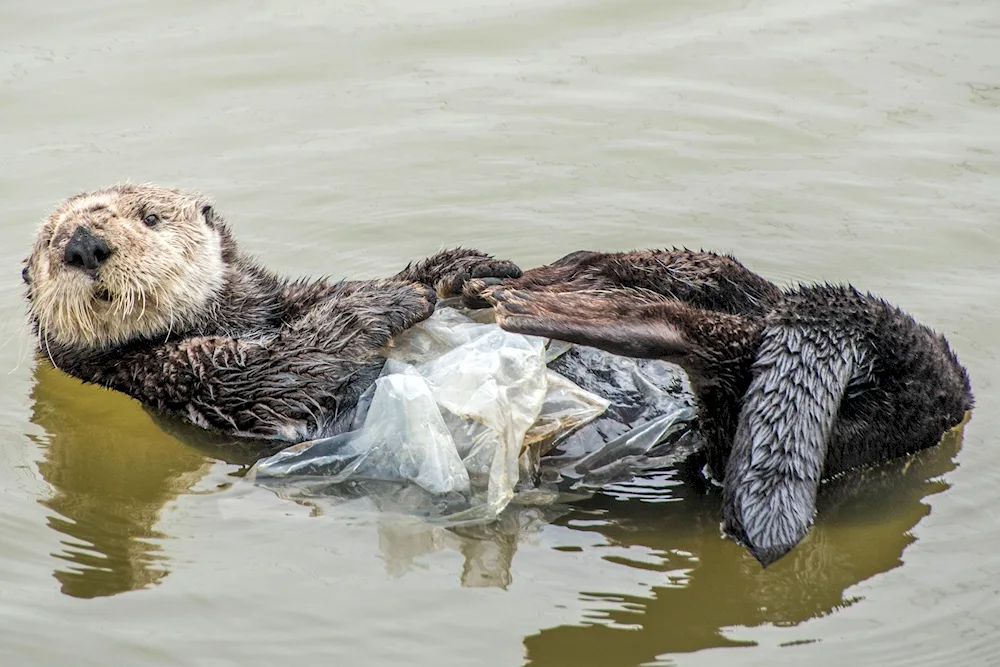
x,y
709,584
864,527
111,471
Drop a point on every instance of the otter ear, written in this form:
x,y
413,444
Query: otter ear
x,y
208,213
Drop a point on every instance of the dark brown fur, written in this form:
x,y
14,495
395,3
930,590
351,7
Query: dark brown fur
x,y
266,357
795,387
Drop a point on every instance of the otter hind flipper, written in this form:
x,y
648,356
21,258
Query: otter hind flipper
x,y
785,422
618,321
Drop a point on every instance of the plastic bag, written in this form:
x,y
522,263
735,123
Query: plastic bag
x,y
467,417
650,404
457,405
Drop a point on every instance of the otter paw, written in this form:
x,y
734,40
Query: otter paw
x,y
417,303
496,268
515,309
454,283
536,302
476,293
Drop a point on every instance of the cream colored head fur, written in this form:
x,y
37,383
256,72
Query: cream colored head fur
x,y
164,269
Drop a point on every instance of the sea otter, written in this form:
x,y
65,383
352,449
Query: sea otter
x,y
794,386
144,290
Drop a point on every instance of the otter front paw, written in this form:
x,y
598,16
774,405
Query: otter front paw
x,y
449,270
478,293
484,270
414,303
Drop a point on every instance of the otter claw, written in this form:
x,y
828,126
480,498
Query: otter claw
x,y
482,292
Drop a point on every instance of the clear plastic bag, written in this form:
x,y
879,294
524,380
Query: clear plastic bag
x,y
467,417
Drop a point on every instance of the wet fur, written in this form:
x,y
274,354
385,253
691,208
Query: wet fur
x,y
181,319
795,387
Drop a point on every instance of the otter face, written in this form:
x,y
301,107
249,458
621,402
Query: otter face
x,y
123,263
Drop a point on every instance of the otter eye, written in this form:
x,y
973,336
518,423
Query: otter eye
x,y
26,275
151,220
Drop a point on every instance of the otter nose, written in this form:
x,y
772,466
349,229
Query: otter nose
x,y
85,250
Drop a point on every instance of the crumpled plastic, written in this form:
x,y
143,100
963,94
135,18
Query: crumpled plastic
x,y
466,418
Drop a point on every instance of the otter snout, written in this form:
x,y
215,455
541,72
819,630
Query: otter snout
x,y
86,250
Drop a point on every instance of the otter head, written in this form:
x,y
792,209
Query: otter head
x,y
124,263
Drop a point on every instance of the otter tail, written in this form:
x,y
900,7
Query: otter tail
x,y
786,418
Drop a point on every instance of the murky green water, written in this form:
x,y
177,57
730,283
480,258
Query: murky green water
x,y
816,140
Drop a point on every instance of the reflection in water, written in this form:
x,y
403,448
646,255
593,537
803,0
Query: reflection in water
x,y
113,469
714,585
708,585
488,549
111,472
